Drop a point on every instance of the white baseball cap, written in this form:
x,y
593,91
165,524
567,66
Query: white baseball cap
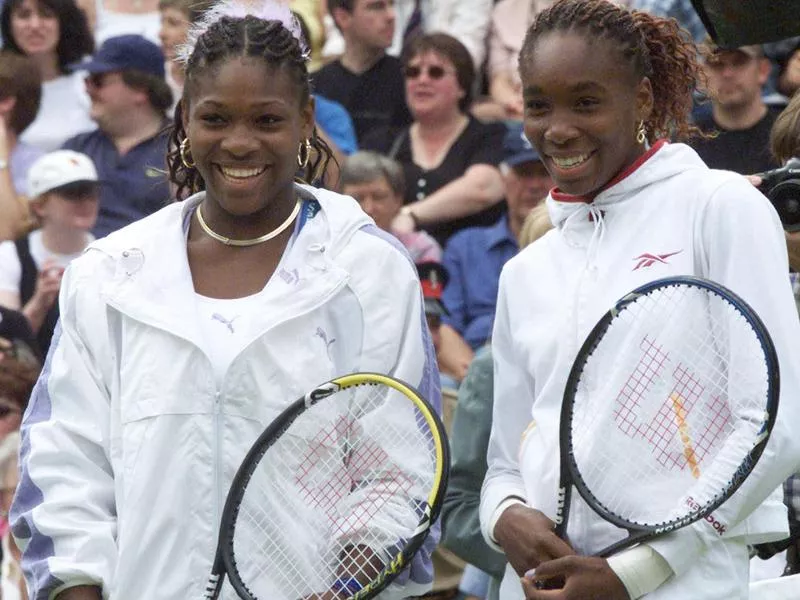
x,y
59,168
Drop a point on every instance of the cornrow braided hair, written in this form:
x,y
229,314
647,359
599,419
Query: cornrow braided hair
x,y
233,37
655,47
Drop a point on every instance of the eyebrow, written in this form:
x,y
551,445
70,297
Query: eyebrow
x,y
578,88
265,104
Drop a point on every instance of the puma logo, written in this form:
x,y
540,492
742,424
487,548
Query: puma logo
x,y
224,321
320,333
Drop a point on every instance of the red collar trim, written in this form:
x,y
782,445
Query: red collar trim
x,y
564,197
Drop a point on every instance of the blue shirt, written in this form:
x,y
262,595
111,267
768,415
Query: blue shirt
x,y
474,258
133,185
334,120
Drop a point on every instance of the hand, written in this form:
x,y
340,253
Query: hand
x,y
581,578
528,538
48,283
403,224
754,179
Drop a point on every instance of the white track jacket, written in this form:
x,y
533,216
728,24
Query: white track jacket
x,y
667,216
128,445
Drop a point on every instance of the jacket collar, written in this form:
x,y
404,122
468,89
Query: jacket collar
x,y
152,282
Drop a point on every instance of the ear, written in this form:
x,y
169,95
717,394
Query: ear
x,y
341,18
307,119
37,206
764,70
7,105
644,99
184,114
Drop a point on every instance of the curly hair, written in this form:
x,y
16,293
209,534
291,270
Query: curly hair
x,y
75,40
232,37
654,47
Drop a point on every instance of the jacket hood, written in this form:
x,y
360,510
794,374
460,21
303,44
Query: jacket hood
x,y
662,161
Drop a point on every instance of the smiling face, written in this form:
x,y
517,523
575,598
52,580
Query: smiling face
x,y
583,105
35,28
245,121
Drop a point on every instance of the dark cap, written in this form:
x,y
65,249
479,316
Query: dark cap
x,y
433,278
123,53
517,148
709,49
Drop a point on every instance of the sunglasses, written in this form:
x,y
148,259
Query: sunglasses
x,y
435,72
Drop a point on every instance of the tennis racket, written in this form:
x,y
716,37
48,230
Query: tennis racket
x,y
667,409
336,495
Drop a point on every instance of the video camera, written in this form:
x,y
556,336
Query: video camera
x,y
782,187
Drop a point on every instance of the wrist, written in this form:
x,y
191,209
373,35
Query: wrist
x,y
509,504
408,211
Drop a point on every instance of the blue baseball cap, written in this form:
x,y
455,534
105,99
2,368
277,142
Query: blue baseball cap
x,y
517,148
123,53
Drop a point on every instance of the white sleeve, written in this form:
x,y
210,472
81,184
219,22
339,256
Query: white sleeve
x,y
743,248
513,399
64,516
10,268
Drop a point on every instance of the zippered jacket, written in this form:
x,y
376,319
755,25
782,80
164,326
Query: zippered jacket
x,y
668,215
129,445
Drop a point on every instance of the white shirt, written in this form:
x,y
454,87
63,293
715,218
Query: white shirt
x,y
11,268
63,113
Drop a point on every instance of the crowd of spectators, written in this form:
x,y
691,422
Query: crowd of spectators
x,y
421,103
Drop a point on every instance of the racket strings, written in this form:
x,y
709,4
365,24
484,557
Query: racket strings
x,y
676,380
349,480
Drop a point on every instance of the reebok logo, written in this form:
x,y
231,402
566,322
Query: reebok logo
x,y
648,260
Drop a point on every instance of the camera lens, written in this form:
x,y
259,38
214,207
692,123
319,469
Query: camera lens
x,y
785,197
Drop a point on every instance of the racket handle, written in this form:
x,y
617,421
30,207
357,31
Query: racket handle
x,y
213,587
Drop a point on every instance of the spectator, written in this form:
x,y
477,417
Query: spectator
x,y
474,257
465,20
789,71
331,117
17,339
377,183
114,18
55,34
510,20
739,121
433,278
176,18
469,439
129,100
20,94
12,583
680,10
365,80
312,13
65,190
449,157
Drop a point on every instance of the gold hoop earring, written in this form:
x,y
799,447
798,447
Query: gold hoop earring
x,y
185,152
304,154
641,133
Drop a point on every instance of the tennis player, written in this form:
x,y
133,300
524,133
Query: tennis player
x,y
185,334
603,89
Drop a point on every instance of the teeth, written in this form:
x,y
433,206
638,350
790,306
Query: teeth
x,y
566,163
241,173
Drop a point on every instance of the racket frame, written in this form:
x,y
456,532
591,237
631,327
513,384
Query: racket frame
x,y
569,473
224,561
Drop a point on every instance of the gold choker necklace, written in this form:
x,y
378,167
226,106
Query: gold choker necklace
x,y
254,241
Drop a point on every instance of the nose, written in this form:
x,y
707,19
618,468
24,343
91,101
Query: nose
x,y
239,142
560,129
368,206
